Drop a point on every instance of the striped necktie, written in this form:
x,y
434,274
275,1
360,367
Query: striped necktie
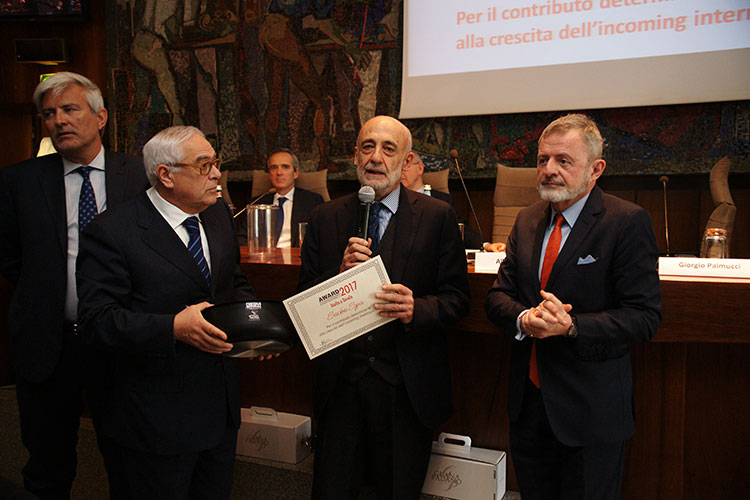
x,y
87,200
195,247
373,225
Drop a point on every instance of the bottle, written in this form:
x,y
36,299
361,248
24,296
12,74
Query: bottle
x,y
714,243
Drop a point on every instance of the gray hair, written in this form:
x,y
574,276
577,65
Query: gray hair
x,y
166,148
295,160
590,134
417,157
61,81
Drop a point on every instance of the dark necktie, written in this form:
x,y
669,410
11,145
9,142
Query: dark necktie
x,y
87,200
280,218
195,247
373,225
550,255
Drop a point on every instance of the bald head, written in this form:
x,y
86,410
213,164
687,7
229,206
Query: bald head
x,y
383,147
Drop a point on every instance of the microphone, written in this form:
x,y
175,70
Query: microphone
x,y
366,197
271,190
664,179
454,156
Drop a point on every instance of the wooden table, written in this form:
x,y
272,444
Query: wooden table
x,y
691,384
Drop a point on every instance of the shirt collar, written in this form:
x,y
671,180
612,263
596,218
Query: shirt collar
x,y
571,213
289,196
391,199
173,215
97,163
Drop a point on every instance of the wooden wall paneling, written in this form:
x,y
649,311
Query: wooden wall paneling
x,y
480,365
654,457
717,434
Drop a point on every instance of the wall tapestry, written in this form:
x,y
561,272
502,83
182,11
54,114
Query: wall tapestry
x,y
258,74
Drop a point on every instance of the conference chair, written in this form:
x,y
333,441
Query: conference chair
x,y
438,180
515,188
725,210
316,181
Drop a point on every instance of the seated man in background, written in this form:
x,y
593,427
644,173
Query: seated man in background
x,y
295,203
411,178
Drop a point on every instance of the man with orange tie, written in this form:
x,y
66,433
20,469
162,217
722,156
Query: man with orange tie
x,y
579,283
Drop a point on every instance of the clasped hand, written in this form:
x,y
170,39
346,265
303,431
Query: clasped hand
x,y
548,319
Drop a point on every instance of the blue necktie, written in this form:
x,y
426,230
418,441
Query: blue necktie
x,y
87,200
373,225
196,248
280,218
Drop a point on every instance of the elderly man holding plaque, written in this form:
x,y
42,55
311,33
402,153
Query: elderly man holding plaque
x,y
146,271
380,396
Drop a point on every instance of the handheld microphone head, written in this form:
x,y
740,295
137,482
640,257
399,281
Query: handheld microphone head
x,y
366,197
454,154
663,179
366,194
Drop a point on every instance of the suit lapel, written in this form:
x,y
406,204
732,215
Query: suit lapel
x,y
216,244
407,220
345,222
584,223
52,183
162,239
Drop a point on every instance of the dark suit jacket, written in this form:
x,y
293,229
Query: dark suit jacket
x,y
472,239
304,202
607,271
429,259
134,275
33,251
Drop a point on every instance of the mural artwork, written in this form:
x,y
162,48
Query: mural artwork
x,y
305,74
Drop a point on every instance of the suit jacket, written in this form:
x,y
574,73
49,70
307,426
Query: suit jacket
x,y
33,251
429,259
472,239
134,275
302,206
607,271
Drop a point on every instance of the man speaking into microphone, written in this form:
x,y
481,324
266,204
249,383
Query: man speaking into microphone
x,y
379,397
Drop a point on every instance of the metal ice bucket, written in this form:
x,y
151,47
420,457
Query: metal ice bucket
x,y
261,230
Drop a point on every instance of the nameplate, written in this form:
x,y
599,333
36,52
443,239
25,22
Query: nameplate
x,y
681,268
488,262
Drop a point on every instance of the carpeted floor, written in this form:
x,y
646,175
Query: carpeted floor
x,y
253,479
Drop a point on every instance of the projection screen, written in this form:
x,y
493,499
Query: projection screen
x,y
484,57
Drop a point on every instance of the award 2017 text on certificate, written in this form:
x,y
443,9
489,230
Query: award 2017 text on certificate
x,y
339,309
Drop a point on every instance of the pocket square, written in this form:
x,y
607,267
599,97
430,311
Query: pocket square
x,y
586,260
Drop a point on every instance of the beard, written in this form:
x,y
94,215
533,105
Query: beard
x,y
557,193
381,186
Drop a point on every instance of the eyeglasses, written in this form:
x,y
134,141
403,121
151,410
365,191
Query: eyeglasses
x,y
203,167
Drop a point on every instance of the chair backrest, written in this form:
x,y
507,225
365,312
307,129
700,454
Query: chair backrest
x,y
317,182
515,189
724,214
438,180
46,147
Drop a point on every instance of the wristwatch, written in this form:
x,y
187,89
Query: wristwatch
x,y
573,328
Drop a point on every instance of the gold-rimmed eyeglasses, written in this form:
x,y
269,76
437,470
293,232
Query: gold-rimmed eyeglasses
x,y
203,167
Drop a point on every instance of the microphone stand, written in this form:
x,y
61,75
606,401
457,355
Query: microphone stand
x,y
664,179
454,156
272,190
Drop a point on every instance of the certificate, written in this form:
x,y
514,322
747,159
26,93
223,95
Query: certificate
x,y
339,309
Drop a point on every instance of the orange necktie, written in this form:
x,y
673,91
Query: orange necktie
x,y
550,255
